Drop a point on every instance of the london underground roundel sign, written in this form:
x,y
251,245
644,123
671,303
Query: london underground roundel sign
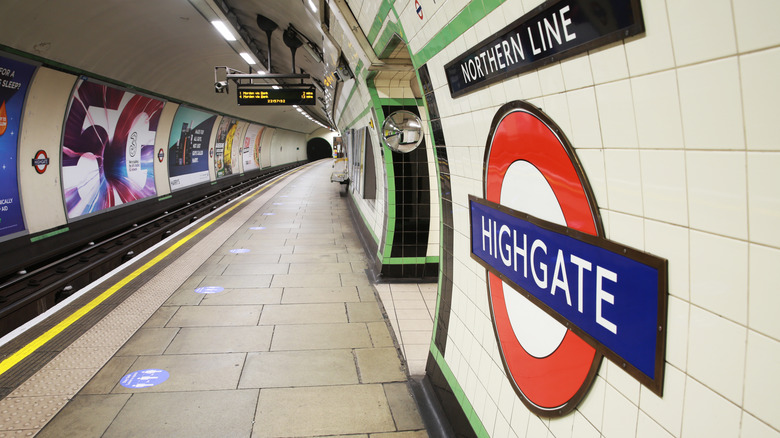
x,y
561,295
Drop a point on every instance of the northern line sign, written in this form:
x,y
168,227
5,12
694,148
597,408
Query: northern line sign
x,y
551,32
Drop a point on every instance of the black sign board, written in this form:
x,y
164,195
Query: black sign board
x,y
260,95
555,30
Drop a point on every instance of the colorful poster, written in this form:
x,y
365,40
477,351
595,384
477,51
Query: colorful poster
x,y
14,80
226,157
108,148
188,160
251,150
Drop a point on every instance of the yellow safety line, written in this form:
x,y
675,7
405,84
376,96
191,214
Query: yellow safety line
x,y
30,348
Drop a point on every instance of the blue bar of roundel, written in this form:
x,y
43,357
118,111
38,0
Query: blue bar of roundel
x,y
635,308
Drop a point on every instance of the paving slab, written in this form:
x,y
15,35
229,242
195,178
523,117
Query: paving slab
x,y
299,368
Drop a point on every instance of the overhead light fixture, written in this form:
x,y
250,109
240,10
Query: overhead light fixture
x,y
312,6
223,30
248,58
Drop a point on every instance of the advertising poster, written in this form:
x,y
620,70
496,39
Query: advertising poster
x,y
226,156
108,148
14,79
251,149
188,147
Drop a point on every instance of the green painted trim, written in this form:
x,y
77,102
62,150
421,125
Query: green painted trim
x,y
404,101
352,195
352,91
410,260
468,17
392,28
163,198
213,182
457,391
381,16
359,116
49,234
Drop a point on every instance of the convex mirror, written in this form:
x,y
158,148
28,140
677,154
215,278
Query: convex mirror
x,y
402,131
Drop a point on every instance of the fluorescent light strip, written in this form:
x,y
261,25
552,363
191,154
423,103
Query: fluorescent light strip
x,y
223,30
248,58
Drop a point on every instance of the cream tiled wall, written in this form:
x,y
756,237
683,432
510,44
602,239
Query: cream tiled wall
x,y
677,132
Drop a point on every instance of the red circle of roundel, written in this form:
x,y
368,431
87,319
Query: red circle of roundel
x,y
556,383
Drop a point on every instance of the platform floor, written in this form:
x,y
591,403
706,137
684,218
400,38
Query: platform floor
x,y
267,326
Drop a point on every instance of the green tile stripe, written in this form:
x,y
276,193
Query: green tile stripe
x,y
381,16
410,260
391,29
368,226
50,234
468,17
358,117
465,405
163,198
352,91
385,251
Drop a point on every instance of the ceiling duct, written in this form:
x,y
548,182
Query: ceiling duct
x,y
292,41
268,26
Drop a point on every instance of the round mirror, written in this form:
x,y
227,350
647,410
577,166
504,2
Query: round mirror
x,y
402,131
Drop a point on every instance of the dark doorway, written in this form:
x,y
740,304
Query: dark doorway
x,y
318,148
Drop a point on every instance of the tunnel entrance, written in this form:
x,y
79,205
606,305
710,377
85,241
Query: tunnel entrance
x,y
318,148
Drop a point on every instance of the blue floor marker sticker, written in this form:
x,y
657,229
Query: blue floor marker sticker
x,y
144,378
268,214
257,228
209,290
240,250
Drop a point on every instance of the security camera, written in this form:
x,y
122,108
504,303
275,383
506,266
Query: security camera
x,y
221,87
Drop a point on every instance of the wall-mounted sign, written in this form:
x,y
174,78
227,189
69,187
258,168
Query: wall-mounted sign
x,y
553,31
160,155
254,95
15,77
40,162
418,9
561,295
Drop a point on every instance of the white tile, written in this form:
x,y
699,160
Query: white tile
x,y
760,94
658,120
627,230
703,89
592,406
670,242
557,108
756,24
537,428
577,72
701,32
520,416
706,414
551,79
582,428
620,380
667,410
562,427
719,275
762,383
717,192
663,185
529,85
624,185
616,115
763,297
647,428
592,162
652,50
621,421
609,63
752,427
709,339
764,197
677,316
584,117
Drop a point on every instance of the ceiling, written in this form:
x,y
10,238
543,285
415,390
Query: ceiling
x,y
170,49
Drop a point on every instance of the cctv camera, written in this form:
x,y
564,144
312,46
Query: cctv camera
x,y
221,87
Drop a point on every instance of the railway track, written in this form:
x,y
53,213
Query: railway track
x,y
29,293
